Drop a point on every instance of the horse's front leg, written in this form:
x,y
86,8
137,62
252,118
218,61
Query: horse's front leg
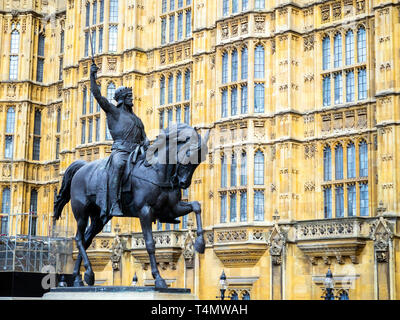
x,y
199,244
183,208
146,218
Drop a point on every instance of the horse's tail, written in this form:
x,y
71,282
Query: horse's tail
x,y
64,195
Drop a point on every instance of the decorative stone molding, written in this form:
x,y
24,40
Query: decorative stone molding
x,y
332,239
381,233
277,238
238,246
169,247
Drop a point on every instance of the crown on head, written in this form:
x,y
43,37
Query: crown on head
x,y
121,92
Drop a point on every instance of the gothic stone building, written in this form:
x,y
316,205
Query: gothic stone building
x,y
303,164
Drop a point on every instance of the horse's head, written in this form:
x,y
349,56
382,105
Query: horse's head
x,y
181,149
191,153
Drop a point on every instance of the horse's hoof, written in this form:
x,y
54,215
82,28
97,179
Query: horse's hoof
x,y
89,278
199,245
78,281
161,284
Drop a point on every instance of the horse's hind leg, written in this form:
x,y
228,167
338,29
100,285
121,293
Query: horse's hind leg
x,y
95,227
80,239
146,218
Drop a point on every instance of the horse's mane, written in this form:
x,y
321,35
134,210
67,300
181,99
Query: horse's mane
x,y
175,135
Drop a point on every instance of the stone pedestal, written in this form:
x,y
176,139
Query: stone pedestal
x,y
118,293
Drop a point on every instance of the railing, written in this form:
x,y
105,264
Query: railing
x,y
162,239
332,228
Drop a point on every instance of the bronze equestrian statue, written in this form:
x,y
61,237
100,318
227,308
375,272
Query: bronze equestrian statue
x,y
150,186
128,133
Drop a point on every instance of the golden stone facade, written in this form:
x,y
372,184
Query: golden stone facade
x,y
301,97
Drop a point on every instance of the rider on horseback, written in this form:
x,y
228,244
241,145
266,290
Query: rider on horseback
x,y
128,133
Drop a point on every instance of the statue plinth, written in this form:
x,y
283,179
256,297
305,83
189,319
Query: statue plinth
x,y
118,293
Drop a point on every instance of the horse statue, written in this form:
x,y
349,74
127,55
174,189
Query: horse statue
x,y
151,190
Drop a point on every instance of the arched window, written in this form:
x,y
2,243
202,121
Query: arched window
x,y
225,7
84,100
244,99
339,162
243,169
258,205
351,161
246,295
327,164
328,203
113,10
338,50
326,53
350,90
187,85
339,198
362,84
40,59
234,295
326,91
363,153
259,62
161,119
259,168
170,89
235,6
14,47
361,45
351,200
233,214
110,91
101,11
224,103
14,51
364,207
233,170
224,172
259,98
349,47
225,67
33,212
87,20
179,87
234,65
234,101
244,63
188,23
223,208
171,28
162,91
94,10
243,206
338,88
245,5
163,30
259,4
10,122
58,125
5,203
343,295
38,123
180,26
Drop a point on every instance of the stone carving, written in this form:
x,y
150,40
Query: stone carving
x,y
381,234
309,43
277,241
259,26
325,13
117,250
